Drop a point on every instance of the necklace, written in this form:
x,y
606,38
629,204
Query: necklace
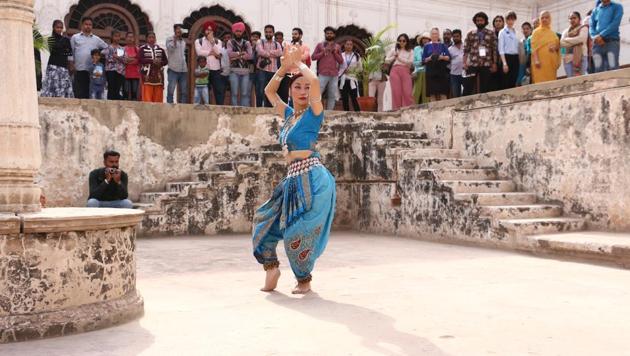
x,y
288,126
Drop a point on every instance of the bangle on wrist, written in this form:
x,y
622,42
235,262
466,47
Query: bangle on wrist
x,y
277,77
302,66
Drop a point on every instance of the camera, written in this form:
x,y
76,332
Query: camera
x,y
111,170
264,62
435,57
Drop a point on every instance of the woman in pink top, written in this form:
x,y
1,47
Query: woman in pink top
x,y
210,47
132,68
401,60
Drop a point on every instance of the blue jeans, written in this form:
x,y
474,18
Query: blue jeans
x,y
175,79
262,79
117,204
329,84
457,82
239,83
97,91
568,67
606,57
218,84
201,93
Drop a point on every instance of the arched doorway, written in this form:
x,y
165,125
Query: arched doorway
x,y
355,33
194,24
119,15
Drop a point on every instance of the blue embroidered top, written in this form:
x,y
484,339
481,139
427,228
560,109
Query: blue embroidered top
x,y
303,134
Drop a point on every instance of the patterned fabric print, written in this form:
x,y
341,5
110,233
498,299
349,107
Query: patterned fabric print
x,y
476,40
113,63
300,212
57,83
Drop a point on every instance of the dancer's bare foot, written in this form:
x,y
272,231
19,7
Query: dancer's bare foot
x,y
302,288
271,280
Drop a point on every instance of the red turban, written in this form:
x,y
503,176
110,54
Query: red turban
x,y
238,26
210,24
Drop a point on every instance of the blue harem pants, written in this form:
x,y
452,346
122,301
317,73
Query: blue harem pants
x,y
300,212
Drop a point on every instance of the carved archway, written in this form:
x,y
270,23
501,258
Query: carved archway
x,y
224,19
357,34
119,15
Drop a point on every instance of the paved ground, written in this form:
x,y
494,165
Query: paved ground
x,y
374,296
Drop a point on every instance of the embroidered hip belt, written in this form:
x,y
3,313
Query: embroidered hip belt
x,y
300,167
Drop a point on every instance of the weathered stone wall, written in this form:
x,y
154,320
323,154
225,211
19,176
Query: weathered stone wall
x,y
565,141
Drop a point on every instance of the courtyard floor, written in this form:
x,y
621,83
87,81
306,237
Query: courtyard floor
x,y
374,295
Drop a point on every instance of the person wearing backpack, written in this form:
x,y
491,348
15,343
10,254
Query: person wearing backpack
x,y
239,51
268,51
210,48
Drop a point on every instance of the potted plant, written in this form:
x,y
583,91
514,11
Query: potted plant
x,y
371,62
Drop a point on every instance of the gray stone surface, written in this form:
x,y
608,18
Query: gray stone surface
x,y
56,281
374,296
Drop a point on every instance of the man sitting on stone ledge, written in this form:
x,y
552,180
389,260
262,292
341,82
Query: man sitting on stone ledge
x,y
108,185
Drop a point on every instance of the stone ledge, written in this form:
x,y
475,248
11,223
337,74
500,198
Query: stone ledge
x,y
79,219
598,246
71,320
9,224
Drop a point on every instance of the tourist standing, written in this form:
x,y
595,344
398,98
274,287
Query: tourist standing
x,y
210,47
419,73
296,40
177,67
153,59
97,76
82,45
348,82
496,83
328,57
604,30
480,52
240,52
456,52
268,51
545,51
201,81
132,68
225,64
254,39
524,53
401,61
575,42
114,67
508,51
57,82
376,86
447,37
436,57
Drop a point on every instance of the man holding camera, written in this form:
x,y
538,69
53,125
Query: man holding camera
x,y
267,52
108,185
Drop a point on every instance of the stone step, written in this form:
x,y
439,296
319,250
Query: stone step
x,y
229,166
153,196
210,176
410,135
178,187
541,225
440,162
480,186
398,143
532,211
372,125
602,246
143,206
490,199
467,174
431,152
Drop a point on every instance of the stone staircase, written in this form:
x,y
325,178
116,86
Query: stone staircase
x,y
222,195
510,212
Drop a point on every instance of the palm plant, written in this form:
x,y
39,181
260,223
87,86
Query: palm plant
x,y
374,57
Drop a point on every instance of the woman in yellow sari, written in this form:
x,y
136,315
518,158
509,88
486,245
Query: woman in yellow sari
x,y
545,51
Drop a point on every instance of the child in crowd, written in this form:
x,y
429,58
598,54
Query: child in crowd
x,y
201,82
97,76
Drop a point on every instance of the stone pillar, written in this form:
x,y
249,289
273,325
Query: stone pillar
x,y
20,155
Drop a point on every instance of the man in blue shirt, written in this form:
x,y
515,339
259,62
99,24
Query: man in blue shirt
x,y
82,45
604,30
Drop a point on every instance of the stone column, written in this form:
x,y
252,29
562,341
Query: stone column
x,y
20,155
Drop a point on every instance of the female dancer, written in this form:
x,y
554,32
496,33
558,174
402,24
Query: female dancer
x,y
301,208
